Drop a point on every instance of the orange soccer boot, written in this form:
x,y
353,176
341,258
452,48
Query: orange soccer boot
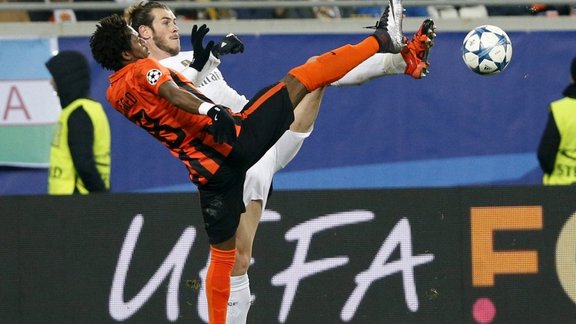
x,y
417,50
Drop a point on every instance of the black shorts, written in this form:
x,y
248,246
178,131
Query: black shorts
x,y
268,115
265,123
222,204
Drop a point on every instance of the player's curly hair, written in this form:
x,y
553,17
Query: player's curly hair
x,y
110,39
138,14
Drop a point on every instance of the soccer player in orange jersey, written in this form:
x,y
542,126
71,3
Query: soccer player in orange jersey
x,y
216,145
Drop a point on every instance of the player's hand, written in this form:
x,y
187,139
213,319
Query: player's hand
x,y
201,53
230,44
223,126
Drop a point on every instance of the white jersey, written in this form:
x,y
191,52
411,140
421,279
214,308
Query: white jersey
x,y
209,81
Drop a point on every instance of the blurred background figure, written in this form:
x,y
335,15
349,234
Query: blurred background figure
x,y
80,150
323,12
364,11
557,149
542,9
327,12
66,15
13,16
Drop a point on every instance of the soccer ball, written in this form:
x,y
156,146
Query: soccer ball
x,y
487,50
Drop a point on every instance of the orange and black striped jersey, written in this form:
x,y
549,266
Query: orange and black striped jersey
x,y
133,91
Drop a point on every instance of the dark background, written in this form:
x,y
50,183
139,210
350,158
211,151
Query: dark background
x,y
59,255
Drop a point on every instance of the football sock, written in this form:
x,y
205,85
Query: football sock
x,y
218,283
380,64
333,65
239,301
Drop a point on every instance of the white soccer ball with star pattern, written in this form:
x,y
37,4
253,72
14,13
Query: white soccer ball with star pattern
x,y
487,50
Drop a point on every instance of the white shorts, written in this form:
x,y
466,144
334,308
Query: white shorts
x,y
259,176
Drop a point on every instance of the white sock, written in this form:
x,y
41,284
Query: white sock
x,y
378,65
394,64
239,301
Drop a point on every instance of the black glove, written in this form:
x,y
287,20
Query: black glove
x,y
223,126
201,53
230,44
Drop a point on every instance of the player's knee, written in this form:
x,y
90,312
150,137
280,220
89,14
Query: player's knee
x,y
242,261
259,181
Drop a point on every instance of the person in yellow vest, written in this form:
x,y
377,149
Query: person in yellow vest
x,y
80,150
557,148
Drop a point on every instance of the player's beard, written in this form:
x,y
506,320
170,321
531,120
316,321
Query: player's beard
x,y
163,45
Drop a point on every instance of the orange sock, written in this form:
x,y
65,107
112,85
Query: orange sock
x,y
333,65
218,283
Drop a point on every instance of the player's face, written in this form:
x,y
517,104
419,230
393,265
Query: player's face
x,y
165,31
139,48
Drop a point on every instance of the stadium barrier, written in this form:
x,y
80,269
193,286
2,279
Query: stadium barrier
x,y
454,255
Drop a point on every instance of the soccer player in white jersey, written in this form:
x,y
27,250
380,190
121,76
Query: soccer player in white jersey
x,y
156,24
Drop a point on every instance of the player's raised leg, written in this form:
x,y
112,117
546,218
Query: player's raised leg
x,y
412,61
333,65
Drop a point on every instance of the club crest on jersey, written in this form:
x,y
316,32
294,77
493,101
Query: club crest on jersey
x,y
153,76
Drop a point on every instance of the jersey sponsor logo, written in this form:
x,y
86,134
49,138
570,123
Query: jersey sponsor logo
x,y
213,76
153,76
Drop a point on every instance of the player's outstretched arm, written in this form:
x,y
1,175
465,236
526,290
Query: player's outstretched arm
x,y
181,99
223,127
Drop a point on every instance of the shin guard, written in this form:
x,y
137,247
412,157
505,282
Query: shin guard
x,y
218,283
